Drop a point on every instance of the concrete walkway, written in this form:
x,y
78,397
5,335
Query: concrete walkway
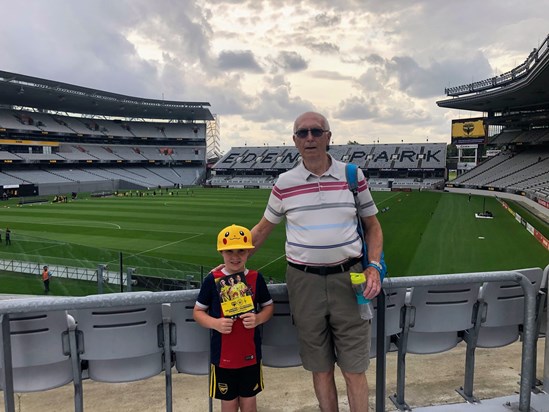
x,y
431,381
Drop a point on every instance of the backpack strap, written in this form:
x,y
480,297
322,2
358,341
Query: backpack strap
x,y
351,173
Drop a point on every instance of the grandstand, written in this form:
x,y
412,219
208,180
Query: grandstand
x,y
515,107
57,138
387,166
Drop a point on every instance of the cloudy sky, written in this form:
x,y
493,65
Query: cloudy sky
x,y
375,68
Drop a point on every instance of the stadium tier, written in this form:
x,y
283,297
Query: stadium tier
x,y
386,166
515,128
79,139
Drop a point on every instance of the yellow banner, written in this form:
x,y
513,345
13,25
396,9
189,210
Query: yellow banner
x,y
29,142
468,129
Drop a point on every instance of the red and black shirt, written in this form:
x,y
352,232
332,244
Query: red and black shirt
x,y
241,347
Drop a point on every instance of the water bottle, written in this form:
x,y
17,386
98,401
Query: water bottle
x,y
365,307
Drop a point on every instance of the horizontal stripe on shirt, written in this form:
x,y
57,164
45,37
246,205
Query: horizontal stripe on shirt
x,y
320,212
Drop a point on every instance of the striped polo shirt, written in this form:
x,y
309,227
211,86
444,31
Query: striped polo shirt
x,y
321,222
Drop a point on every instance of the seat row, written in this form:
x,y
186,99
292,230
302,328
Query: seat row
x,y
138,341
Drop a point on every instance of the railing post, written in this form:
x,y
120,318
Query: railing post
x,y
527,344
546,359
129,274
381,354
6,364
167,343
100,269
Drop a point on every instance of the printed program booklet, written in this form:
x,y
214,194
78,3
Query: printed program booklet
x,y
235,295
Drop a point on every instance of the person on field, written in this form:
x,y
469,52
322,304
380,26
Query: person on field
x,y
46,275
235,346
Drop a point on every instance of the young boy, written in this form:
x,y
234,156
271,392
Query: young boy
x,y
236,376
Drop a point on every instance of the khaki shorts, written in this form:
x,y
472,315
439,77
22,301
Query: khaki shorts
x,y
329,326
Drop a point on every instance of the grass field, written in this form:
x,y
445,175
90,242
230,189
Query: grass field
x,y
425,233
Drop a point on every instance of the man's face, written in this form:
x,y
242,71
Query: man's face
x,y
308,145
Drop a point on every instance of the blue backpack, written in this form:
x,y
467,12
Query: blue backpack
x,y
351,172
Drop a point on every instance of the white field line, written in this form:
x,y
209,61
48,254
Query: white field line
x,y
389,198
48,247
272,261
167,244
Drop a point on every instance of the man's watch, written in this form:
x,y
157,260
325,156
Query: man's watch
x,y
375,264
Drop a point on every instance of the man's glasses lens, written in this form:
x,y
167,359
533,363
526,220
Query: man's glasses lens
x,y
303,133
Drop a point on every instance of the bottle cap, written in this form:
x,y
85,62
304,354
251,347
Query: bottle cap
x,y
357,278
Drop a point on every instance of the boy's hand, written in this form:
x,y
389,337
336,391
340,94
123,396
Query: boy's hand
x,y
224,325
249,320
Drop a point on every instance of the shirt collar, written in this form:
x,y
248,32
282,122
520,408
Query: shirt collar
x,y
306,174
229,274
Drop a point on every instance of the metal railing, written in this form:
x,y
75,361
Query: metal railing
x,y
20,306
527,362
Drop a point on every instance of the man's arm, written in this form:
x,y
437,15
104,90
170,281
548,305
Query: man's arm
x,y
260,233
373,236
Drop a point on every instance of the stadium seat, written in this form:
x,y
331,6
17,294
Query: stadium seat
x,y
504,310
280,348
121,344
500,311
433,320
394,302
192,341
40,351
437,314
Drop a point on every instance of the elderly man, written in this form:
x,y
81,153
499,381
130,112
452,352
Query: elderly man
x,y
322,248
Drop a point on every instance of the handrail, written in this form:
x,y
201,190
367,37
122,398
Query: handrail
x,y
27,305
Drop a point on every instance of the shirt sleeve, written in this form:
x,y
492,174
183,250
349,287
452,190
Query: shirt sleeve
x,y
367,204
274,212
263,296
204,299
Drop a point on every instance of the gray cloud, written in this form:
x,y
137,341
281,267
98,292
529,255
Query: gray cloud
x,y
275,102
430,81
329,75
324,47
239,60
356,108
326,20
290,61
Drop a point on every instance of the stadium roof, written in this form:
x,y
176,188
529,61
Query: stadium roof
x,y
28,91
525,88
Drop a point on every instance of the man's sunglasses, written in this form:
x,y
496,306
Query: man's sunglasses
x,y
303,133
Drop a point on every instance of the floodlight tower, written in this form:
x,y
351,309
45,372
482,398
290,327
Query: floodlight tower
x,y
213,145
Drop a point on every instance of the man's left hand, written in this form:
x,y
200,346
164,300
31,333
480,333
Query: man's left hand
x,y
373,283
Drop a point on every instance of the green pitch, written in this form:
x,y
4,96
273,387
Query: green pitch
x,y
175,235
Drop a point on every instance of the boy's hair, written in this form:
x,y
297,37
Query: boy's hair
x,y
234,237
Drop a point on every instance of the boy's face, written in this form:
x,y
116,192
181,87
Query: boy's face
x,y
235,259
